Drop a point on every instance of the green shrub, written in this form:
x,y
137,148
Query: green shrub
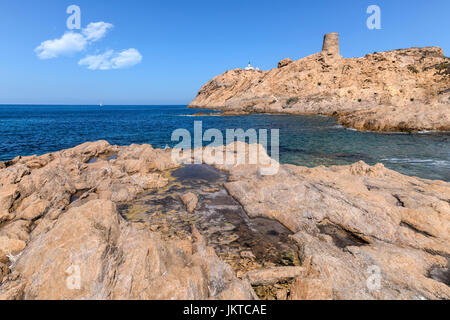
x,y
292,100
413,69
442,66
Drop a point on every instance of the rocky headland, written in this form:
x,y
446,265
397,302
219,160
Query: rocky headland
x,y
108,222
400,90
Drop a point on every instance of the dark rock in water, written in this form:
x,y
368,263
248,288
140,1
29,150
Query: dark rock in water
x,y
197,172
244,243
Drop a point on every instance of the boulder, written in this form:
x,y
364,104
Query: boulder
x,y
190,200
284,63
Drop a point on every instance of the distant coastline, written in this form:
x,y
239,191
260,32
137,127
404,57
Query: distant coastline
x,y
406,90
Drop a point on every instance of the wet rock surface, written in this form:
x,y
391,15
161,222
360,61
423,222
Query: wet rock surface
x,y
242,242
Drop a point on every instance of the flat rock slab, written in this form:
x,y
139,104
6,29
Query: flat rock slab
x,y
273,275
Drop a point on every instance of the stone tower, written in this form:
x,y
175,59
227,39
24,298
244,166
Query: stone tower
x,y
331,44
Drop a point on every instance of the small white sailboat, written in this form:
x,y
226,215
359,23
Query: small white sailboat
x,y
101,104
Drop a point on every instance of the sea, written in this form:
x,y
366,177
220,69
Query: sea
x,y
305,140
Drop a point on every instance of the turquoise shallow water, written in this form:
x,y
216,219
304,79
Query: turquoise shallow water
x,y
304,140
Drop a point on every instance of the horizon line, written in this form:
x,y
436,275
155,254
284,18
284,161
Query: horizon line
x,y
87,105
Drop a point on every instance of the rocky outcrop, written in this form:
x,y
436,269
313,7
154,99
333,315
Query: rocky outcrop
x,y
90,253
360,231
61,236
284,63
407,82
352,221
412,118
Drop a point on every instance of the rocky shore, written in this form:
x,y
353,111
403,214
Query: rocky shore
x,y
107,222
399,90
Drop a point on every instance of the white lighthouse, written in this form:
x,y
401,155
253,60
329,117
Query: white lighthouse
x,y
250,67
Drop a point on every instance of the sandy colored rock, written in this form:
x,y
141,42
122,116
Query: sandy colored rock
x,y
34,210
411,118
3,271
284,62
349,223
190,200
8,193
313,284
18,229
311,289
91,253
352,218
369,93
150,181
10,246
14,292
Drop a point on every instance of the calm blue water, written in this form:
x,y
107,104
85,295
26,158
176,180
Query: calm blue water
x,y
304,140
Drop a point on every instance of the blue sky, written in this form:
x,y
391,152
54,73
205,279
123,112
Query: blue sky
x,y
183,44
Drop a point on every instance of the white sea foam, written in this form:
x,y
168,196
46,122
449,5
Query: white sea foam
x,y
430,131
197,115
431,162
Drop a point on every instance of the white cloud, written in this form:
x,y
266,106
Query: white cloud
x,y
112,60
98,62
96,30
72,42
127,58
